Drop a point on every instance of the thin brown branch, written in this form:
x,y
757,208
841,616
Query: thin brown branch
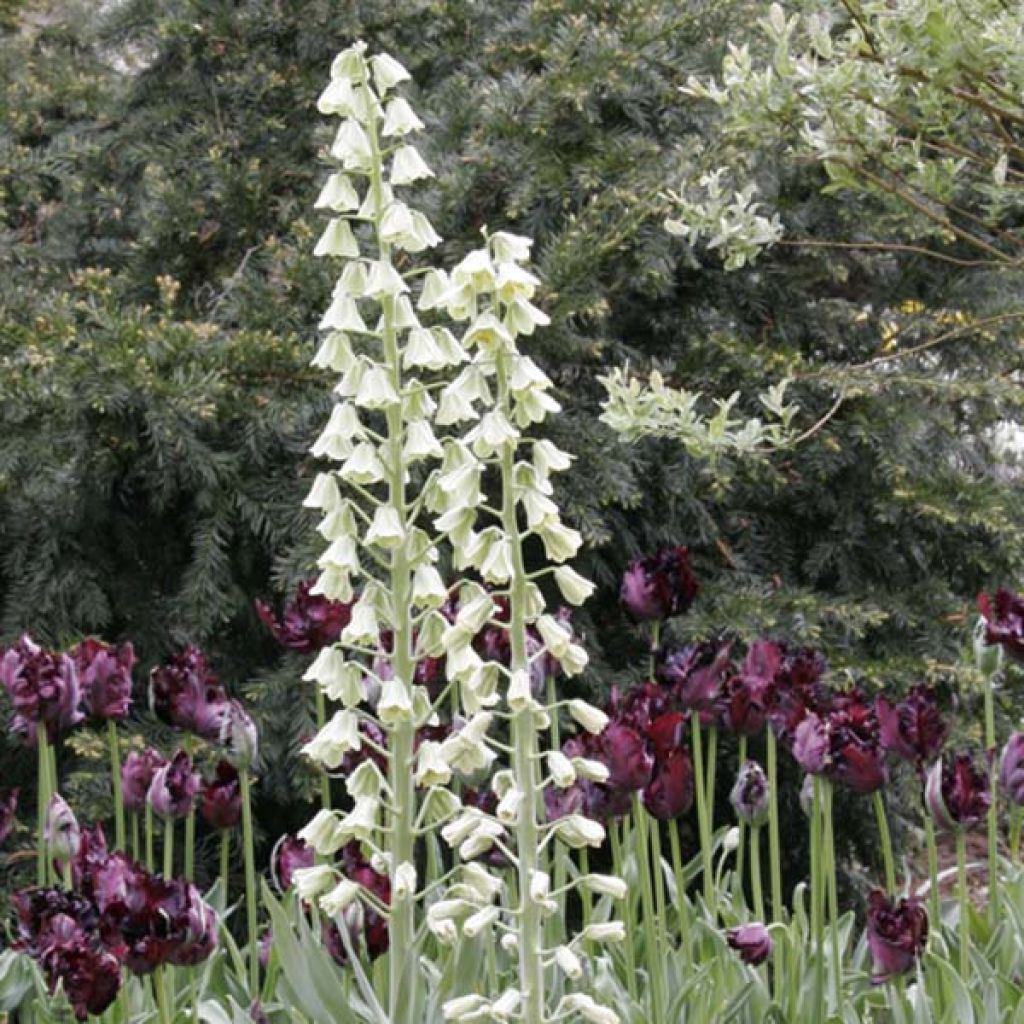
x,y
893,247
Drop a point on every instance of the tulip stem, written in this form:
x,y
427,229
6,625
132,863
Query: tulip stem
x,y
741,758
136,847
115,772
677,871
150,860
43,790
619,868
659,885
652,950
755,871
775,853
993,807
817,903
886,840
1016,816
160,984
702,813
168,847
190,825
225,862
712,770
831,873
963,896
586,907
250,885
934,903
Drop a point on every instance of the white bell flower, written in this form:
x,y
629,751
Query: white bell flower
x,y
350,63
343,315
387,72
577,830
513,281
385,529
608,931
555,636
560,542
399,119
383,280
334,584
408,166
477,923
432,768
323,833
352,146
475,270
361,822
365,782
338,98
606,885
568,963
334,353
592,771
560,769
363,466
420,442
594,720
435,284
338,194
324,493
310,882
575,588
549,458
509,248
404,884
340,897
362,628
395,704
336,739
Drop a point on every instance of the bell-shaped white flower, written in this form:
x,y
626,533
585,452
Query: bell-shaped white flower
x,y
509,807
592,771
366,781
387,72
395,704
323,833
310,882
404,884
577,830
338,194
336,739
338,899
339,522
509,248
397,221
343,315
587,1008
386,528
384,280
568,963
482,840
435,284
464,1008
362,628
338,98
574,660
399,119
350,63
333,584
352,146
574,588
560,542
428,589
422,236
363,466
479,922
324,493
533,406
560,769
341,554
555,636
488,332
594,720
361,822
432,768
476,271
421,350
513,281
606,885
408,166
549,458
523,317
334,353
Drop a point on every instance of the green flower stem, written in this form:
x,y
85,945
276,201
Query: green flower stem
x,y
741,757
703,828
993,809
160,985
652,947
934,906
225,862
817,903
168,847
619,868
115,773
403,969
1016,817
321,721
586,906
190,824
136,842
886,841
150,860
250,884
963,896
711,766
775,852
556,922
677,871
43,793
524,736
659,883
755,871
831,873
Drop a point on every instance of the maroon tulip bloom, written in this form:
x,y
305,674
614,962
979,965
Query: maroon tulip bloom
x,y
105,675
855,758
1011,770
751,941
1004,621
221,801
309,622
914,729
624,752
43,688
694,674
8,807
658,587
811,744
89,975
90,857
749,796
896,932
174,787
957,792
185,694
239,736
137,776
290,854
37,909
742,703
665,734
670,793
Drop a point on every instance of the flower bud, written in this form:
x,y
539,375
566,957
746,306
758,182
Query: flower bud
x,y
987,657
239,737
749,796
592,719
751,941
61,831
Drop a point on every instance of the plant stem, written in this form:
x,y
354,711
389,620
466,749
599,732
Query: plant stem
x,y
190,825
964,897
775,852
321,721
619,868
677,871
160,985
136,841
652,948
403,969
586,907
1016,816
556,922
817,904
225,862
168,847
149,838
741,849
712,771
43,794
755,871
115,772
833,899
250,885
702,813
934,904
993,809
886,841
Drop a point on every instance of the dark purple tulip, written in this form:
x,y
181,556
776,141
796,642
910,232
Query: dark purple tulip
x,y
624,752
288,856
855,758
89,975
309,622
238,736
670,793
1011,770
137,776
658,587
1004,621
751,941
897,933
43,688
8,807
742,703
665,734
92,854
914,729
37,909
174,787
695,673
957,792
185,694
749,795
811,744
795,690
221,803
105,676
